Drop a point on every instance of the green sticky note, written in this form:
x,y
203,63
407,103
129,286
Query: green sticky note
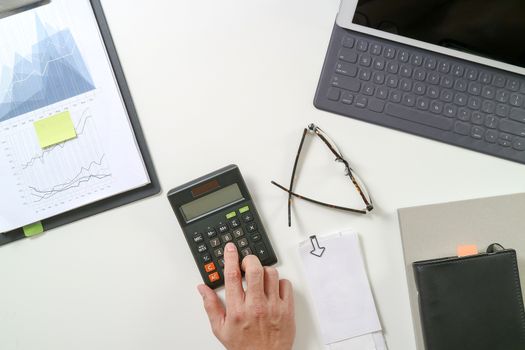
x,y
33,229
55,129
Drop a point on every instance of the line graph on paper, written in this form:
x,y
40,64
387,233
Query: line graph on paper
x,y
63,172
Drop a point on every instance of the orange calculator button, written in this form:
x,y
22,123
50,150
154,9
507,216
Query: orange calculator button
x,y
209,267
214,277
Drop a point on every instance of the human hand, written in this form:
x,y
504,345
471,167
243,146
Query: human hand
x,y
260,318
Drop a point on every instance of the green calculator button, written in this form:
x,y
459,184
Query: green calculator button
x,y
231,215
244,209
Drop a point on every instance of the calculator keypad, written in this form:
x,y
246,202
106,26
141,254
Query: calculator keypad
x,y
241,228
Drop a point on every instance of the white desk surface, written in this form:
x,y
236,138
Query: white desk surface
x,y
220,82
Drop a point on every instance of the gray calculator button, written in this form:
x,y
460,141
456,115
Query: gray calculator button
x,y
256,237
197,238
261,251
201,248
218,252
238,233
215,242
226,238
251,227
246,252
242,243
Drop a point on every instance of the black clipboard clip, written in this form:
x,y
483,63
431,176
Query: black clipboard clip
x,y
317,250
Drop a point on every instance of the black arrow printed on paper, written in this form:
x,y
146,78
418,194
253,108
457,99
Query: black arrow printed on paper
x,y
318,251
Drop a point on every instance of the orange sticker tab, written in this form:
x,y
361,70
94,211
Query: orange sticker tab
x,y
467,250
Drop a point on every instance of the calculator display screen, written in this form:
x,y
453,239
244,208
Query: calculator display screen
x,y
216,200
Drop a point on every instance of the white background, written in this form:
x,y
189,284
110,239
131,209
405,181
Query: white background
x,y
220,82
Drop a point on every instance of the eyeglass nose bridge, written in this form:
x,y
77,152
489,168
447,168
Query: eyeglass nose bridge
x,y
312,127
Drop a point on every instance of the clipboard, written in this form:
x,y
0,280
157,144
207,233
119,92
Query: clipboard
x,y
121,199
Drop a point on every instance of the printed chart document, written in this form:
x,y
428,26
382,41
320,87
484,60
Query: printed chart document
x,y
55,73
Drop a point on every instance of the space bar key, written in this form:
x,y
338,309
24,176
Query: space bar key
x,y
415,116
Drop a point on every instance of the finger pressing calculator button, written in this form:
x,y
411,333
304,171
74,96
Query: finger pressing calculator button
x,y
256,237
197,238
218,252
261,251
201,248
214,277
215,242
246,252
226,238
222,228
211,233
242,243
206,258
209,267
247,217
251,227
238,233
234,223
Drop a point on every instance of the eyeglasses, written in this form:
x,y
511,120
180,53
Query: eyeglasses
x,y
359,185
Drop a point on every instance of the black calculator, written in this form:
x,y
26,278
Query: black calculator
x,y
216,209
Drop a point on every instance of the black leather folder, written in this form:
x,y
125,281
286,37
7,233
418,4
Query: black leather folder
x,y
471,303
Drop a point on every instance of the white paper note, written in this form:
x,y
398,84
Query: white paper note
x,y
339,288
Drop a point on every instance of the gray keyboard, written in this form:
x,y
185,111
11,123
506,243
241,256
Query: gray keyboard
x,y
424,93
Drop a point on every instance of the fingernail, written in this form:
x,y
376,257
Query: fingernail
x,y
230,247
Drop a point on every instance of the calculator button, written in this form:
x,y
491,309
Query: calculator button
x,y
211,233
256,237
246,252
209,267
221,262
197,238
201,248
222,228
238,233
234,223
226,238
215,242
214,277
242,243
218,252
251,227
231,215
260,250
244,209
206,258
247,217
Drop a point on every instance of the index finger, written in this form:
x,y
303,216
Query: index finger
x,y
232,276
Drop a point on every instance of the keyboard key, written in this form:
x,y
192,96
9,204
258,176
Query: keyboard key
x,y
474,88
447,95
361,101
516,100
392,67
362,45
512,127
215,242
403,56
488,92
420,88
406,84
420,74
419,117
433,92
513,84
460,85
502,110
433,78
464,114
499,81
474,103
491,122
477,118
379,64
517,114
472,74
417,59
488,106
348,42
392,81
409,100
346,83
477,132
447,82
518,144
382,92
395,96
423,103
378,78
502,96
346,69
430,63
505,137
389,52
406,71
436,107
347,55
365,60
458,70
450,110
462,128
376,49
460,99
347,98
491,136
504,143
365,74
485,78
368,89
376,105
444,67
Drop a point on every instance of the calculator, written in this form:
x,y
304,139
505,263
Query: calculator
x,y
216,209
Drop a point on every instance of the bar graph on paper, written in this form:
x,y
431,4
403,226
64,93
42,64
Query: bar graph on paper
x,y
51,79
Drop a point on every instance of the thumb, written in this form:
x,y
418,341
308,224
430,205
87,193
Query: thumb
x,y
213,307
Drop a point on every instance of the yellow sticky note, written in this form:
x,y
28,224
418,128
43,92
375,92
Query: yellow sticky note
x,y
33,229
55,129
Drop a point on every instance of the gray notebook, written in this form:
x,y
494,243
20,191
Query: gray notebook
x,y
434,231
